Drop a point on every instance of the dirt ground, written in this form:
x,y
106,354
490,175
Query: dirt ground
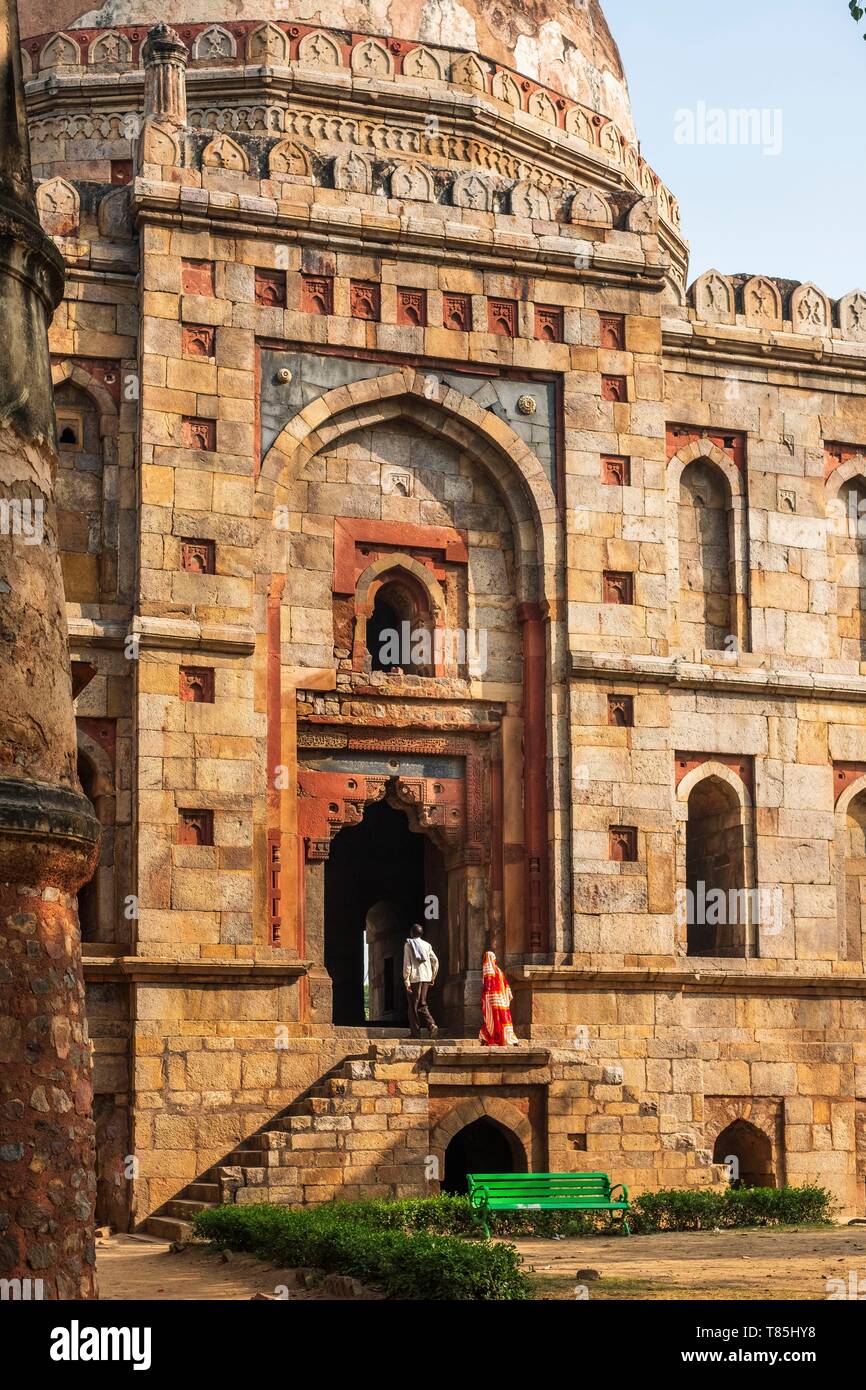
x,y
770,1265
133,1267
767,1265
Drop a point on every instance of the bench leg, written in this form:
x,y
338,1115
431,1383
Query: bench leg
x,y
479,1218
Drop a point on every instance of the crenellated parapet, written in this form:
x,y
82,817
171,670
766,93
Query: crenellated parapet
x,y
770,304
241,74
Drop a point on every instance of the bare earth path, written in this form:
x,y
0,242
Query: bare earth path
x,y
763,1265
133,1268
756,1265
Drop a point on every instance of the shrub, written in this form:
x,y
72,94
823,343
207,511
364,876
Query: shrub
x,y
685,1209
353,1239
701,1210
417,1248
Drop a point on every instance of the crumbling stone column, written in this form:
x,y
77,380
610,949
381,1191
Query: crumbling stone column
x,y
48,834
164,55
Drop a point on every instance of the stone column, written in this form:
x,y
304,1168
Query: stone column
x,y
164,55
48,833
535,775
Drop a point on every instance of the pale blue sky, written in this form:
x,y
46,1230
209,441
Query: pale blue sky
x,y
801,214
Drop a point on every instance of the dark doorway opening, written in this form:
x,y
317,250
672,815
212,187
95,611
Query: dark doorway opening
x,y
376,880
384,621
752,1152
481,1147
718,904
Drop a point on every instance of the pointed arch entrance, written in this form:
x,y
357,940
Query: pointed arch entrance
x,y
393,832
377,878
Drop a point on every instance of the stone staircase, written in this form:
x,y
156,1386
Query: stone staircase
x,y
359,1131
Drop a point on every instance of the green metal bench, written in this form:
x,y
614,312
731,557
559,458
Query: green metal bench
x,y
490,1192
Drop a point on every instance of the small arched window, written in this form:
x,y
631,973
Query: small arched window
x,y
706,610
849,547
400,634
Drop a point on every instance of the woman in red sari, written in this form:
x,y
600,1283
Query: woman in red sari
x,y
497,1029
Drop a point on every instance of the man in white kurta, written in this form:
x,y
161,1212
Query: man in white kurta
x,y
420,968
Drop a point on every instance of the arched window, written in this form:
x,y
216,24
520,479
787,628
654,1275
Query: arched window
x,y
851,862
718,903
400,632
79,492
706,610
849,533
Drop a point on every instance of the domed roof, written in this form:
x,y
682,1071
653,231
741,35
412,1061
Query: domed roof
x,y
562,44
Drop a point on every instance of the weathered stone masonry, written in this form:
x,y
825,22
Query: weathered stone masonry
x,y
398,321
48,834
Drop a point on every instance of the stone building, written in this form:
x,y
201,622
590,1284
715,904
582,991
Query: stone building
x,y
377,320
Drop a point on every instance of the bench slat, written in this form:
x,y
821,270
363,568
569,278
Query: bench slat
x,y
490,1192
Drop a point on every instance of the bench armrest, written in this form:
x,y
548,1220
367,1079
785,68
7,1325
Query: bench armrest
x,y
619,1187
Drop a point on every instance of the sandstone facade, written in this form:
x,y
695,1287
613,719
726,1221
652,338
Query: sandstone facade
x,y
360,319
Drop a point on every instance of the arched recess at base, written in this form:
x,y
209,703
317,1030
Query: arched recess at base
x,y
503,1129
748,1152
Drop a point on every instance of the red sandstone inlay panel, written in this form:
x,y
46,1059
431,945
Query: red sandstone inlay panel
x,y
618,587
457,312
197,277
611,333
502,317
121,171
620,711
731,442
616,470
199,433
317,294
412,308
270,288
194,827
354,540
102,731
549,323
104,370
365,300
196,684
198,340
623,844
614,388
198,556
845,775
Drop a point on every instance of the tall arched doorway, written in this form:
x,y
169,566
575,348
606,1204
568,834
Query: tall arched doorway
x,y
719,905
752,1152
377,877
484,1146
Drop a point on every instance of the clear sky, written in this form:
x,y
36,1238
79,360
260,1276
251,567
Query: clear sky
x,y
799,213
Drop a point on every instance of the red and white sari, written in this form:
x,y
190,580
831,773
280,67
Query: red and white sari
x,y
497,1029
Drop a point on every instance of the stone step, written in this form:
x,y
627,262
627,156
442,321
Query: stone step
x,y
325,1105
184,1208
207,1192
167,1228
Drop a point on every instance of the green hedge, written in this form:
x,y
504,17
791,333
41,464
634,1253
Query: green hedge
x,y
686,1209
702,1210
416,1248
349,1238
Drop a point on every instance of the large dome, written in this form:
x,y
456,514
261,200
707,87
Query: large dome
x,y
562,44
